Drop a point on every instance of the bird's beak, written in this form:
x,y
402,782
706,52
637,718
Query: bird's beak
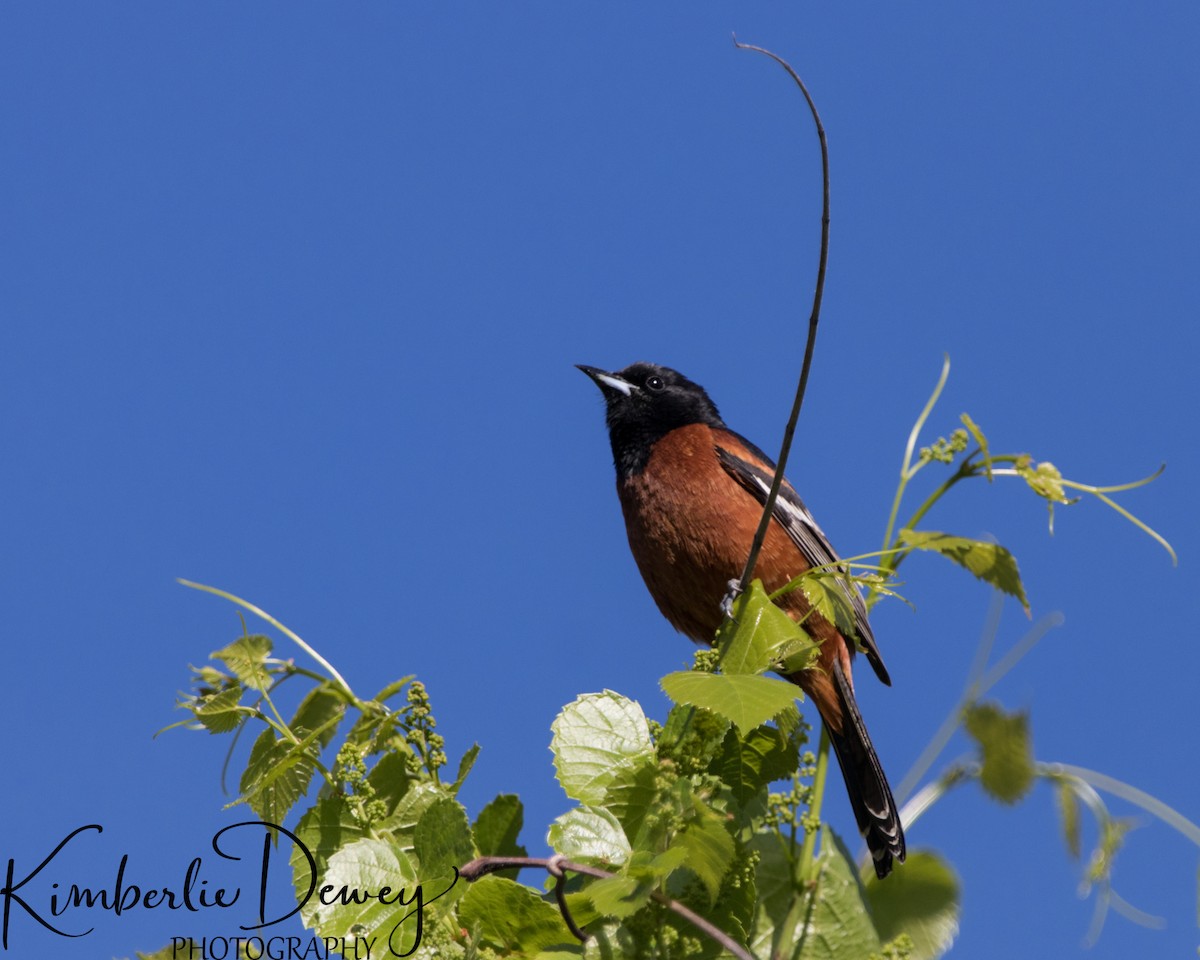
x,y
607,381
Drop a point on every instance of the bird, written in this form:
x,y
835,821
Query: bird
x,y
692,492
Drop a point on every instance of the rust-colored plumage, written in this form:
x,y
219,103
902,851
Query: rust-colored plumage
x,y
692,492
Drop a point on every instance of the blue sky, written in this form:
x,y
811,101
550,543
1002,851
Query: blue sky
x,y
291,296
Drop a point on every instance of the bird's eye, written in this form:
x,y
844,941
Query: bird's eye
x,y
654,383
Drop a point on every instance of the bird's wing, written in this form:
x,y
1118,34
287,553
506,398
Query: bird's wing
x,y
791,514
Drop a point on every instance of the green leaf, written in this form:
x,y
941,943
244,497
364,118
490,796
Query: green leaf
x,y
823,920
980,439
391,779
498,825
595,738
464,767
618,896
209,676
659,866
1006,752
791,726
735,906
746,700
630,795
320,710
246,657
709,848
369,864
402,822
393,688
219,713
590,835
1068,809
758,631
511,916
277,775
442,838
840,925
826,592
774,877
920,898
748,763
324,829
988,561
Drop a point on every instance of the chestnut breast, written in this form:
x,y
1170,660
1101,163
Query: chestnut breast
x,y
691,534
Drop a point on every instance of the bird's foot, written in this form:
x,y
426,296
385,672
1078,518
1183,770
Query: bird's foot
x,y
733,590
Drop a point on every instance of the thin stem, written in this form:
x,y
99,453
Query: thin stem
x,y
813,319
987,637
907,472
1026,643
1085,792
237,735
978,683
1100,494
933,749
1096,927
929,794
560,895
1082,781
1119,488
965,469
808,858
1135,914
898,552
937,743
945,732
246,605
292,669
1118,788
278,716
924,415
1138,523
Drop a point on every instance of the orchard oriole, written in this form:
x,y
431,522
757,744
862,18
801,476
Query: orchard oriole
x,y
692,492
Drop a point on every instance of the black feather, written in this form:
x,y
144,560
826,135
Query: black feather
x,y
791,514
870,796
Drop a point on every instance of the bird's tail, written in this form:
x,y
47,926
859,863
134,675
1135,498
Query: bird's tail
x,y
870,796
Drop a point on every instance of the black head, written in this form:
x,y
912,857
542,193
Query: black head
x,y
644,403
